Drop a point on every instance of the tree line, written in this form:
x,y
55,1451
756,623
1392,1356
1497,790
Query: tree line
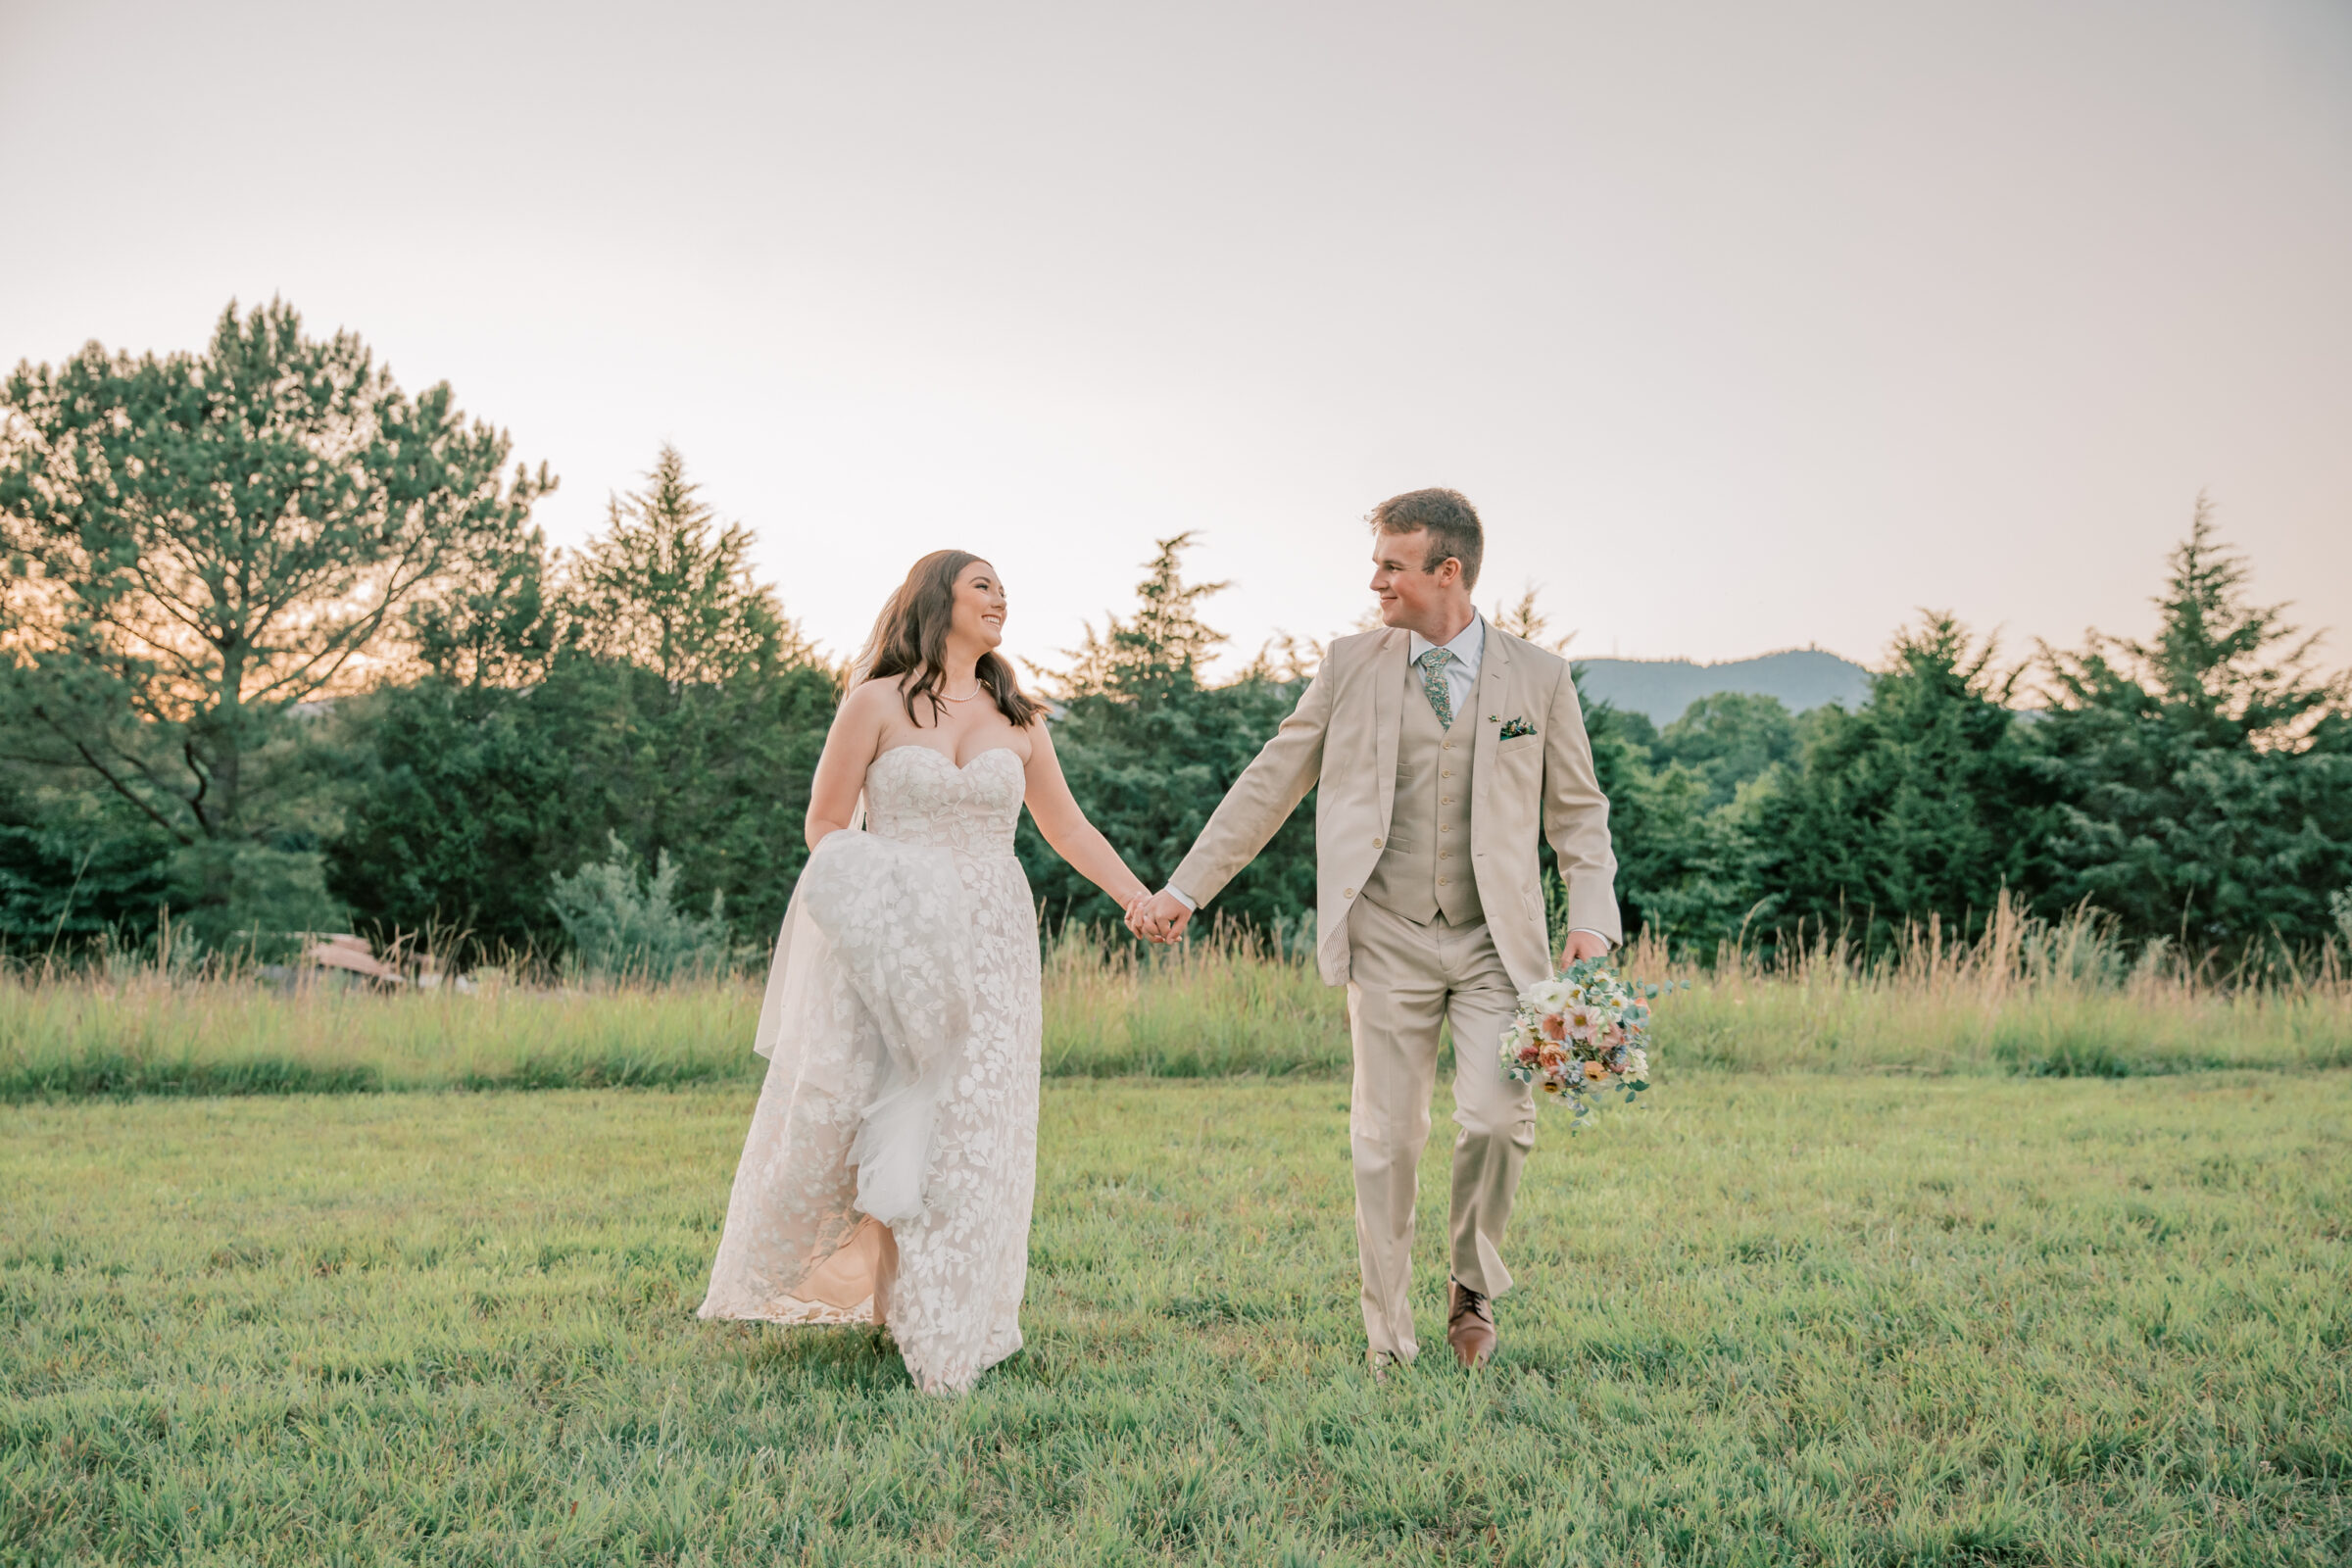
x,y
282,651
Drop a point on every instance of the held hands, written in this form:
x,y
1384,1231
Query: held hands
x,y
1158,918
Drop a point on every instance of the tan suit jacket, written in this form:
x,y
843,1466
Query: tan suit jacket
x,y
1342,738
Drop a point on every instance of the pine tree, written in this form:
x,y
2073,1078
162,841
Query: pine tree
x,y
2205,777
1924,802
663,698
1156,656
670,590
203,544
1148,749
1681,863
1527,622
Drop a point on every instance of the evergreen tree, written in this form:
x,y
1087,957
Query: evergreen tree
x,y
463,800
491,622
2205,778
717,706
660,697
1150,750
1527,622
669,589
1681,861
1143,665
1924,802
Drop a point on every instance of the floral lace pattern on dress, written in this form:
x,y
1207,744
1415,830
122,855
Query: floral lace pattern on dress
x,y
874,924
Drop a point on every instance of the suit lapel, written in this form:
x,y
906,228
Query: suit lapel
x,y
1388,717
1493,682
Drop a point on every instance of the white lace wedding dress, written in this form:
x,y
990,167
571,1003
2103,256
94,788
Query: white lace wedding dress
x,y
892,1160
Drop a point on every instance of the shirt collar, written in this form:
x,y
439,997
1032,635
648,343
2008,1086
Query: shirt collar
x,y
1467,645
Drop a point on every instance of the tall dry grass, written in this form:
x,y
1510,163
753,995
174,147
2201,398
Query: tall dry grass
x,y
2027,996
231,1033
1227,1003
2065,998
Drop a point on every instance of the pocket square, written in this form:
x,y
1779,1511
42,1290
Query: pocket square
x,y
1516,728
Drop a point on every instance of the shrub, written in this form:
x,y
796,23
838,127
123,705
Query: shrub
x,y
622,926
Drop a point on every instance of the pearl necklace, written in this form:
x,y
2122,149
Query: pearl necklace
x,y
977,689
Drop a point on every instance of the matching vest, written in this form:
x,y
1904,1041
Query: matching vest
x,y
1424,868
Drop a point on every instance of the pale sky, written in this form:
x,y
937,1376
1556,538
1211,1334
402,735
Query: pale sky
x,y
1746,326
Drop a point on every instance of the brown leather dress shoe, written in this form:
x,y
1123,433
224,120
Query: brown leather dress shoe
x,y
1470,1325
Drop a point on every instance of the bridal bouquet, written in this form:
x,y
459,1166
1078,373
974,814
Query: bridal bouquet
x,y
1582,1034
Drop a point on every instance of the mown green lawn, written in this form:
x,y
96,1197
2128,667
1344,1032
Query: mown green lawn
x,y
1763,1319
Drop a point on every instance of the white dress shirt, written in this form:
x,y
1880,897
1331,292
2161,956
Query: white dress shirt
x,y
1468,646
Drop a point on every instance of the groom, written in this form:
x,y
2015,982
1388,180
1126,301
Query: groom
x,y
1442,747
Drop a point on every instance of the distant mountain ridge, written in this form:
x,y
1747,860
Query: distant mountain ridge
x,y
1662,688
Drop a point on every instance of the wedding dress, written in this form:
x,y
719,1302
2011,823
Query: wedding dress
x,y
892,1159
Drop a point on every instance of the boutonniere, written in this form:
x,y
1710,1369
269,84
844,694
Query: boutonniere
x,y
1516,728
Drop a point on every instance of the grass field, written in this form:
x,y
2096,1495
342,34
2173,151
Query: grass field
x,y
1766,1318
2027,1000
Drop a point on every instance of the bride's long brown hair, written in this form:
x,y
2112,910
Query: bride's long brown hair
x,y
909,641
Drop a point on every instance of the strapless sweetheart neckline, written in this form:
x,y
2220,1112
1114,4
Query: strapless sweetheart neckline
x,y
945,757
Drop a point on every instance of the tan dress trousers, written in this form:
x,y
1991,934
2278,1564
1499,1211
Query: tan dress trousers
x,y
1405,981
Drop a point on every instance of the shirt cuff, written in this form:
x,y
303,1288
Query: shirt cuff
x,y
1572,930
1182,896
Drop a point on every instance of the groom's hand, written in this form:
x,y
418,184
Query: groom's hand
x,y
1145,923
1166,913
1584,945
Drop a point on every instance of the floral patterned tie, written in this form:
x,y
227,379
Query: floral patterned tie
x,y
1433,681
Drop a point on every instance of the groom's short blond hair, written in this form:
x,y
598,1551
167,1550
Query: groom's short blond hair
x,y
1451,521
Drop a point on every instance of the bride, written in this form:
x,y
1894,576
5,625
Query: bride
x,y
892,1159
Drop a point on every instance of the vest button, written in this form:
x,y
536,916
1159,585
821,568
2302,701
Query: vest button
x,y
1444,881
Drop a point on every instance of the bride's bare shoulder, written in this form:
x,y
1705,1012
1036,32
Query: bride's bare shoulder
x,y
869,712
872,700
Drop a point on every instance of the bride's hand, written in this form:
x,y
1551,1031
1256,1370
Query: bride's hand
x,y
1141,924
1135,927
1165,915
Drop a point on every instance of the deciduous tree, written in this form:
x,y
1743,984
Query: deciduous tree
x,y
204,542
